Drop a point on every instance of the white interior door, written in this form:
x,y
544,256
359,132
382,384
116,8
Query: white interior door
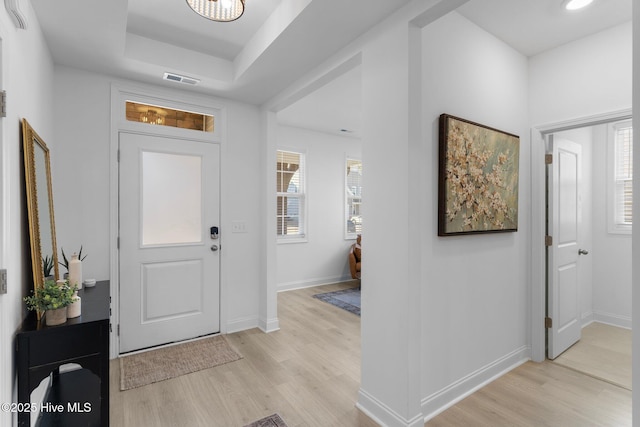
x,y
169,271
563,294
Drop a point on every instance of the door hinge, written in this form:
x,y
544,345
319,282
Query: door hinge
x,y
118,242
118,156
548,159
3,103
118,329
548,323
548,240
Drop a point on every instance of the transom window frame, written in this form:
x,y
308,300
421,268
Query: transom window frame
x,y
615,225
165,115
301,195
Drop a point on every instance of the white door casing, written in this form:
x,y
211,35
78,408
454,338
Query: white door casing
x,y
169,192
564,219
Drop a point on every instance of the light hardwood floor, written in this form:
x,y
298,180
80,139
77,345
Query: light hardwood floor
x,y
309,373
542,394
604,352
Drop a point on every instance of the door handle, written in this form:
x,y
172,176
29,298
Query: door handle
x,y
214,248
582,252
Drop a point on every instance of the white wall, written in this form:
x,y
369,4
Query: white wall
x,y
475,304
26,75
81,174
82,193
390,384
322,258
580,79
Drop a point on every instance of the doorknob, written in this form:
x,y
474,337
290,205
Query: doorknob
x,y
214,248
582,252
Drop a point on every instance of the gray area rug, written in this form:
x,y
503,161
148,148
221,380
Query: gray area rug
x,y
270,421
164,363
346,299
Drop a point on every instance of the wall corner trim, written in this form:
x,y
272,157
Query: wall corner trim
x,y
15,12
241,324
269,325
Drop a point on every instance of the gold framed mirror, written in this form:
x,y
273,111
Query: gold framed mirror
x,y
39,192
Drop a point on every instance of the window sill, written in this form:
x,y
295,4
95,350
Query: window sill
x,y
290,240
620,229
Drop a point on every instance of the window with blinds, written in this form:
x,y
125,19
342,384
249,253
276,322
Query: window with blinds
x,y
353,198
290,181
622,191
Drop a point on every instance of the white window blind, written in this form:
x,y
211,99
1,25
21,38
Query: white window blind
x,y
623,173
290,183
353,198
620,177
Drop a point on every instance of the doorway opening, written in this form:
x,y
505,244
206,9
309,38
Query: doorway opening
x,y
602,259
319,181
145,157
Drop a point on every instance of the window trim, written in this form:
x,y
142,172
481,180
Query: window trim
x,y
301,237
347,234
612,225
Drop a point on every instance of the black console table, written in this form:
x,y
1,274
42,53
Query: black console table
x,y
77,397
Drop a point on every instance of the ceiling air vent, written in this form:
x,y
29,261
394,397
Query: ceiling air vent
x,y
180,79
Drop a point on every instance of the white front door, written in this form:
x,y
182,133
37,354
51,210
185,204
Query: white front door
x,y
563,293
169,264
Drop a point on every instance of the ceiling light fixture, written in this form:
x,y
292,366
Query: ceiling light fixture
x,y
218,10
152,117
576,4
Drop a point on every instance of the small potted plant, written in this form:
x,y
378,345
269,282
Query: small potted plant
x,y
47,266
53,299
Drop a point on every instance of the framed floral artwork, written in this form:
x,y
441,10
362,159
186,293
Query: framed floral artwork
x,y
478,178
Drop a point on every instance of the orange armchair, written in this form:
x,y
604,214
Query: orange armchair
x,y
355,258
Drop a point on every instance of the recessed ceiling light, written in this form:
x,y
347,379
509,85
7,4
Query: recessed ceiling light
x,y
576,4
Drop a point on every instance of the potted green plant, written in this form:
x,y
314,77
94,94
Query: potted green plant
x,y
53,299
47,266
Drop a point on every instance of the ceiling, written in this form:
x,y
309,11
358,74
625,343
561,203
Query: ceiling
x,y
534,26
276,42
251,60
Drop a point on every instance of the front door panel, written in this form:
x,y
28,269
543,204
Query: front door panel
x,y
169,276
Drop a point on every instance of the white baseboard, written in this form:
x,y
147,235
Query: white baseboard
x,y
587,319
382,414
241,324
309,283
445,398
612,319
269,325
